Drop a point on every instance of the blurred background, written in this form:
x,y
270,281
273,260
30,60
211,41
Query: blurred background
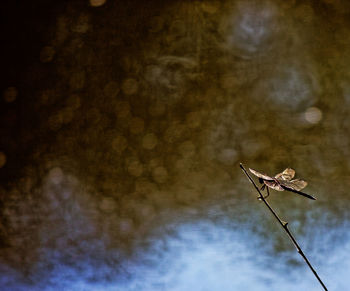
x,y
122,127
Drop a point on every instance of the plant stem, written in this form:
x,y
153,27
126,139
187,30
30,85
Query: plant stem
x,y
285,227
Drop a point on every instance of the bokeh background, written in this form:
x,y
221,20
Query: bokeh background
x,y
122,127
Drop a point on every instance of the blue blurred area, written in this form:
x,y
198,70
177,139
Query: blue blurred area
x,y
197,256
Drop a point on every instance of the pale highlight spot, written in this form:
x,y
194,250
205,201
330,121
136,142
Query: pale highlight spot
x,y
10,94
292,86
250,30
2,159
313,115
97,3
56,175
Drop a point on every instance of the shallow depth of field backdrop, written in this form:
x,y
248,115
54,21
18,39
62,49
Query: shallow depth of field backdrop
x,y
122,125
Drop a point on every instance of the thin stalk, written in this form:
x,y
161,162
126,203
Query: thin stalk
x,y
285,227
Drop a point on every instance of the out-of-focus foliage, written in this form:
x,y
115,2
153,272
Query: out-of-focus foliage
x,y
136,113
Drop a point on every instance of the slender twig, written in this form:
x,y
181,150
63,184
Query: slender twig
x,y
284,226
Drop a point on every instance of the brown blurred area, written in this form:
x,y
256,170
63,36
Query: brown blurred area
x,y
118,119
